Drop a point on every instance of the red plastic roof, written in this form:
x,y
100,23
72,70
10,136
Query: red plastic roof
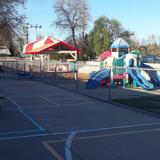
x,y
105,55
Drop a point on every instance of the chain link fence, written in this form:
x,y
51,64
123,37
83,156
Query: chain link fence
x,y
117,82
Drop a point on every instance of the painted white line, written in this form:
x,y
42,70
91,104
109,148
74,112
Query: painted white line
x,y
25,99
52,151
31,120
68,146
14,102
75,104
80,98
51,101
50,106
58,104
108,128
116,134
33,100
19,132
105,135
40,107
21,137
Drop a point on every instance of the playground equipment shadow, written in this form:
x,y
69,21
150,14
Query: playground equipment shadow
x,y
105,93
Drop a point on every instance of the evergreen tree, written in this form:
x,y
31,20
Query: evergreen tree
x,y
100,37
105,32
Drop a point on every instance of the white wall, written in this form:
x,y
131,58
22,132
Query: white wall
x,y
88,66
115,55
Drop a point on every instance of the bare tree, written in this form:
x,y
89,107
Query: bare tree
x,y
72,16
10,20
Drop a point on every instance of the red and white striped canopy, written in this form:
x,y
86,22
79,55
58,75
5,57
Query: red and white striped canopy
x,y
46,44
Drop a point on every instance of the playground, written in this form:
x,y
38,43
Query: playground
x,y
119,74
51,112
45,122
119,66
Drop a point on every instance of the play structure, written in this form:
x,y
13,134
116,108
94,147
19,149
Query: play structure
x,y
123,67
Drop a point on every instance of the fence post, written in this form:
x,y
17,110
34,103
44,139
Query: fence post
x,y
55,76
76,76
40,69
30,69
24,66
48,63
109,90
3,67
17,69
14,67
17,66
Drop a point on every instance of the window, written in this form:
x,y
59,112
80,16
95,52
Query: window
x,y
124,50
114,49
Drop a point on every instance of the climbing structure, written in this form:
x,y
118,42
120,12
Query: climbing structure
x,y
124,68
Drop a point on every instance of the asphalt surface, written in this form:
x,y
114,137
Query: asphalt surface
x,y
48,123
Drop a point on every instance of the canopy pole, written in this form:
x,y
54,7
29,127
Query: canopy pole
x,y
31,66
41,62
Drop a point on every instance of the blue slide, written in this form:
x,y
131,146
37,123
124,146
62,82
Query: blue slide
x,y
96,78
140,80
154,75
158,75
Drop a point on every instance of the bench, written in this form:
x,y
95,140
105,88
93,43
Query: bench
x,y
1,101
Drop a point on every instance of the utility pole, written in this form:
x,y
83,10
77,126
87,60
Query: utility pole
x,y
36,27
26,28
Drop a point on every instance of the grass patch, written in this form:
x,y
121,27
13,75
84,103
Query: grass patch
x,y
150,104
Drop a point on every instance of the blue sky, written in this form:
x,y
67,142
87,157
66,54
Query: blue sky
x,y
139,16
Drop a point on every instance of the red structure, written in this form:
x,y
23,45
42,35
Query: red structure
x,y
46,45
105,55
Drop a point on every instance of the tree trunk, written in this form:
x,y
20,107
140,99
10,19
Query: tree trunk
x,y
74,37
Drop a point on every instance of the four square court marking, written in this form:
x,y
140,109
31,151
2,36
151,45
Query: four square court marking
x,y
57,100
